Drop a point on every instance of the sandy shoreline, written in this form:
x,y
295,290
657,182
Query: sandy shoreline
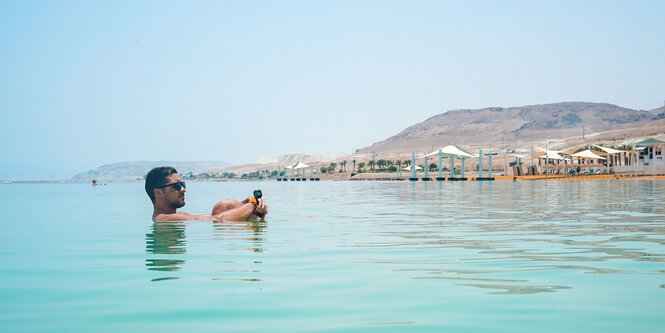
x,y
380,177
434,175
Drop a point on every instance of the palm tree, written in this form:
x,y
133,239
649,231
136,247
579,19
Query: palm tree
x,y
371,164
361,166
354,165
332,167
381,164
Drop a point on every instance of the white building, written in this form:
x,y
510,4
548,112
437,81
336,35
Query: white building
x,y
650,158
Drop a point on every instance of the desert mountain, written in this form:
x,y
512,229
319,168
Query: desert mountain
x,y
658,113
511,127
130,171
496,125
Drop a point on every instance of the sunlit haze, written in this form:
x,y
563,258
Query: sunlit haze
x,y
85,83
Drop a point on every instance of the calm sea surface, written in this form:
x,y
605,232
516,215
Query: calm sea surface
x,y
556,256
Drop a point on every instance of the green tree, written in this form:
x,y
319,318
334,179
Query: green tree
x,y
371,165
361,166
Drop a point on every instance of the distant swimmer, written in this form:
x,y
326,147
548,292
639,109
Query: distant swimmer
x,y
167,193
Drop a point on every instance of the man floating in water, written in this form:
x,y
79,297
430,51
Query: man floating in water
x,y
167,193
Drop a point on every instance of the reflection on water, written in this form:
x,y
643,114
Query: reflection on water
x,y
241,234
517,289
167,241
243,239
167,245
503,237
340,257
512,237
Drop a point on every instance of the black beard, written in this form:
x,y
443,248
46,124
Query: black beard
x,y
177,205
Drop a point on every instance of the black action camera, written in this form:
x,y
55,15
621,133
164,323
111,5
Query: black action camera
x,y
257,195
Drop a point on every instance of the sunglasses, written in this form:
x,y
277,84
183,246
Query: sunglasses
x,y
176,186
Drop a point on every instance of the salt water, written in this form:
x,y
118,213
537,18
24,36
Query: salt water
x,y
540,256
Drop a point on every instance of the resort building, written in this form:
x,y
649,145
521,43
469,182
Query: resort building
x,y
650,158
646,158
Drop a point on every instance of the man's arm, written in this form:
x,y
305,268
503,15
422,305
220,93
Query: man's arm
x,y
241,213
180,216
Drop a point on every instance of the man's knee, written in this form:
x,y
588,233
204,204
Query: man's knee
x,y
225,205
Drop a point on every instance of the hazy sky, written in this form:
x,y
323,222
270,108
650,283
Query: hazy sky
x,y
86,83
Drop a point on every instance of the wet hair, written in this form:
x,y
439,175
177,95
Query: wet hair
x,y
156,178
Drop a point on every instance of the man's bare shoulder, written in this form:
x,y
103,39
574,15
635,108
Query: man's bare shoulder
x,y
180,216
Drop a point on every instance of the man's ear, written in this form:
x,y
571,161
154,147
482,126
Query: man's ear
x,y
158,193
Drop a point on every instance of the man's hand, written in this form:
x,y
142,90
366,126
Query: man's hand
x,y
261,209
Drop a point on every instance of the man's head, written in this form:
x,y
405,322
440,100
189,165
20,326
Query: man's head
x,y
164,184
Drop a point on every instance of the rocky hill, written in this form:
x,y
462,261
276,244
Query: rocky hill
x,y
659,113
498,125
136,170
563,123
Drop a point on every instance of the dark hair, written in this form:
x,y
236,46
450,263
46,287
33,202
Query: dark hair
x,y
156,178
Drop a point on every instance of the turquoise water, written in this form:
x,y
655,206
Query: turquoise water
x,y
557,256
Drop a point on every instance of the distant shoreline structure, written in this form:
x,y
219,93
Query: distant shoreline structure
x,y
562,125
376,178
